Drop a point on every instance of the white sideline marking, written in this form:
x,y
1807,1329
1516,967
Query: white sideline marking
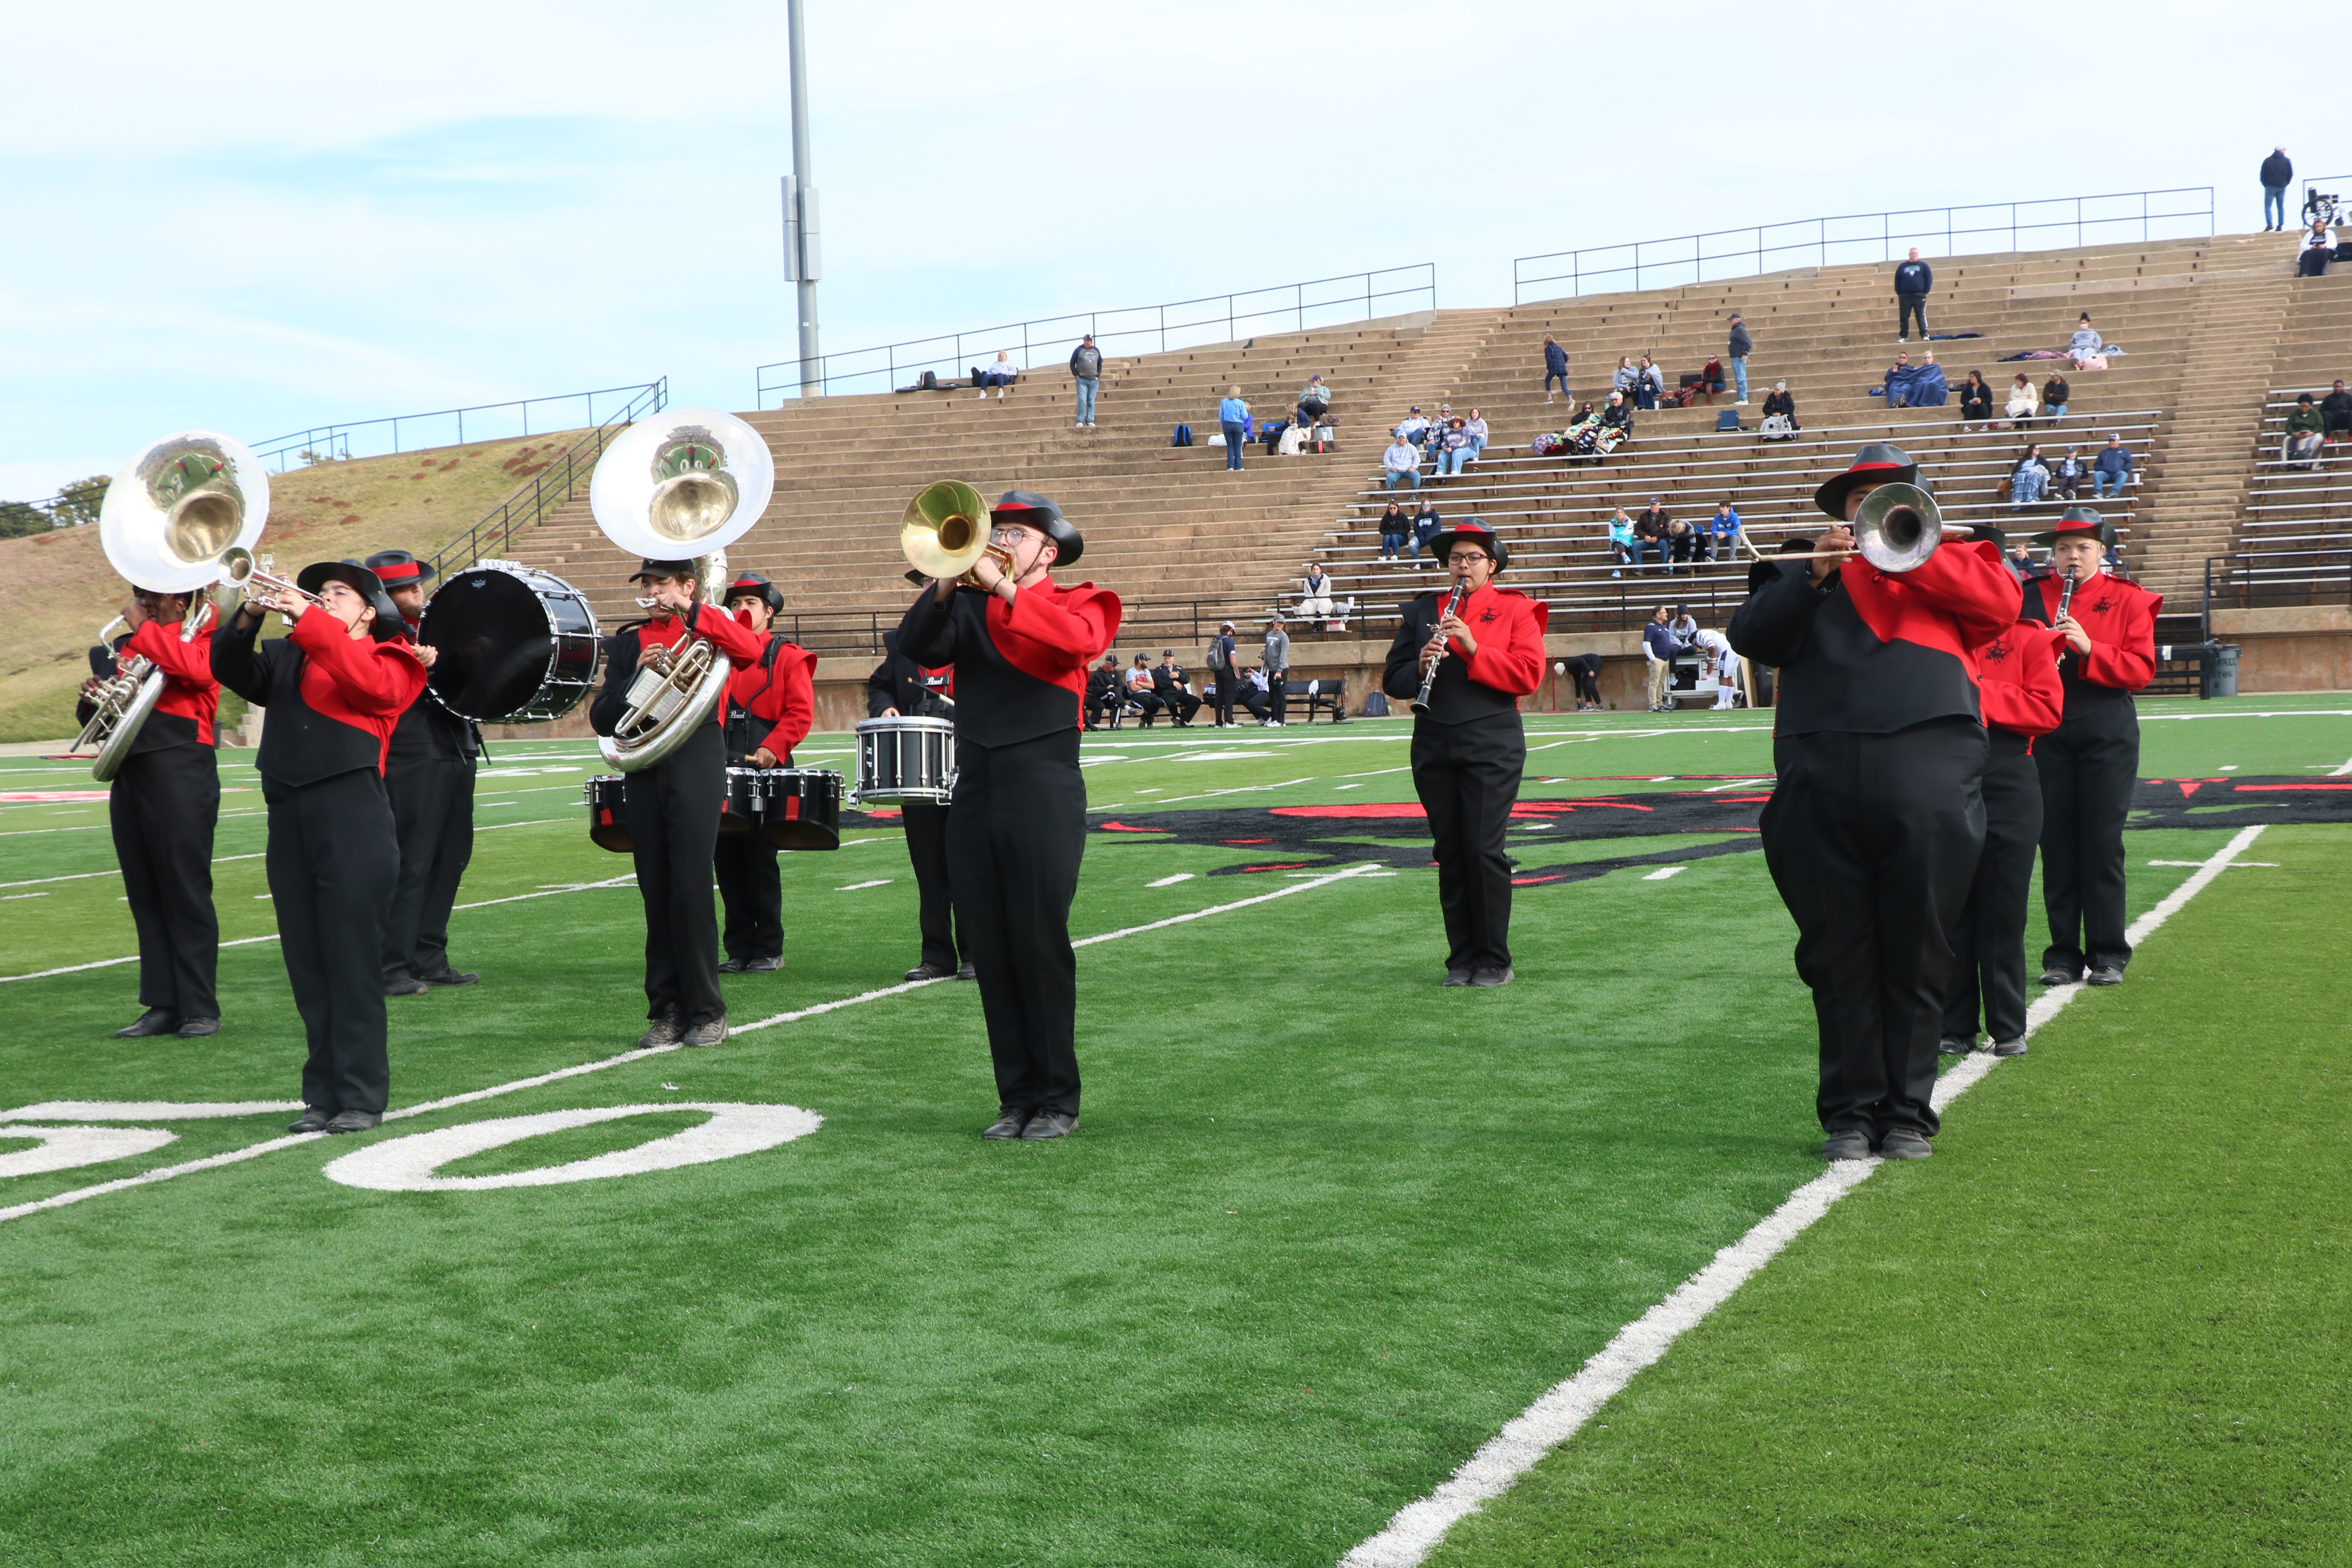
x,y
2343,771
111,963
1662,872
63,1148
1171,881
5,897
407,1164
1417,1528
145,1109
860,886
114,871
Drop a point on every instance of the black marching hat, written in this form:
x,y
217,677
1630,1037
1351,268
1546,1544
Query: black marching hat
x,y
1879,462
1032,510
649,567
399,569
755,584
1472,531
2079,523
389,624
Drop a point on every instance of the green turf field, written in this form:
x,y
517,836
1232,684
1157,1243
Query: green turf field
x,y
1326,1227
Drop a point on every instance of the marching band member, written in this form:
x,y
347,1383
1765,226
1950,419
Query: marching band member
x,y
2016,679
335,689
769,705
161,808
2090,761
1469,749
674,811
1016,827
899,686
1877,821
429,774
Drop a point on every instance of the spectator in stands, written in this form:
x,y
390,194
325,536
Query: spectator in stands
x,y
1624,379
2337,408
1394,526
1401,463
2084,343
1554,367
1658,648
1426,525
2055,395
1614,426
1314,593
2022,405
1976,401
1623,548
1683,543
1779,404
1085,375
2031,477
2306,428
1584,671
1000,376
2072,472
1314,401
1897,375
1168,688
2278,174
1453,448
1477,427
1104,690
1914,281
1139,694
1651,385
1415,426
2113,469
2318,248
1650,532
1585,419
1736,350
1724,528
2021,560
1234,420
1277,671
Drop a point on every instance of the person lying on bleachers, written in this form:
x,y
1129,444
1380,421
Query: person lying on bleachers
x,y
2306,428
2337,408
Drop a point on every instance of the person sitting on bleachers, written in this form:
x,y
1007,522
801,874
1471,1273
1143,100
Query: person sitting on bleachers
x,y
1585,419
2337,408
1778,405
2084,343
1106,694
1976,401
1476,427
1453,449
2055,393
2317,249
1414,426
1625,379
1683,544
1426,526
1000,376
2113,469
1606,433
1314,593
1401,463
2031,477
1723,531
2306,430
1651,385
1622,546
2023,404
1395,528
1168,688
1314,401
2067,482
1141,698
1650,532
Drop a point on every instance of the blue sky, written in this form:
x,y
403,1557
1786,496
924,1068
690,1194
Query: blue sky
x,y
271,216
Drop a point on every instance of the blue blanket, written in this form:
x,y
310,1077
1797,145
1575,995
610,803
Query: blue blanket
x,y
1916,386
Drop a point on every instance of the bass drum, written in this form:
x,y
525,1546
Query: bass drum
x,y
518,645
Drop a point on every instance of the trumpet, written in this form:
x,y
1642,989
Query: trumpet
x,y
945,532
240,568
1429,676
1895,529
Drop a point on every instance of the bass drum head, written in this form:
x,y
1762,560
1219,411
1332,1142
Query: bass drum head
x,y
515,645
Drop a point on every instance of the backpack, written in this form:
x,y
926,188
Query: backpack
x,y
929,381
1217,654
1376,705
1184,436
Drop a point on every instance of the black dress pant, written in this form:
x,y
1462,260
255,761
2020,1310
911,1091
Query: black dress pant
x,y
753,891
1015,833
334,860
674,831
162,809
926,850
1468,778
432,812
1228,692
1988,942
1872,841
2089,764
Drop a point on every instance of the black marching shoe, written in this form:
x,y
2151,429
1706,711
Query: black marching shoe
x,y
355,1122
1492,976
154,1021
2056,976
967,972
1049,1124
734,965
452,977
1455,977
1008,1123
768,965
1847,1143
408,986
1953,1046
2015,1048
312,1120
666,1030
931,971
197,1029
1903,1143
708,1034
2109,976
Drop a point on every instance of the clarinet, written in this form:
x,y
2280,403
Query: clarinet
x,y
2066,595
1429,676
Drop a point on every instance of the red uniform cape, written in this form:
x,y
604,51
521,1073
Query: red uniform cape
x,y
2121,619
2017,677
356,681
1509,627
782,697
738,642
1052,632
189,689
1961,597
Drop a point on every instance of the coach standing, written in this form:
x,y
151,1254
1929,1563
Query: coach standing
x,y
1877,820
1017,824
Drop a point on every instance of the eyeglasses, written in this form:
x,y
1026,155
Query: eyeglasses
x,y
1463,557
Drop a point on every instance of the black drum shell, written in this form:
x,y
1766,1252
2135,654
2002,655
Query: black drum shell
x,y
608,814
515,645
804,809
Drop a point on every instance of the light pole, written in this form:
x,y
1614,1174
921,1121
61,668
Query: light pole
x,y
800,208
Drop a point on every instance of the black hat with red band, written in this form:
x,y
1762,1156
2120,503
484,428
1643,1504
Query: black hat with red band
x,y
1879,462
1031,510
399,569
755,585
1470,531
2079,523
314,578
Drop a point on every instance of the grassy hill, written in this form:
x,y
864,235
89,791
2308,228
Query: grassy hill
x,y
56,589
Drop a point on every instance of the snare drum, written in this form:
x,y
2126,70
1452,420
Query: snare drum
x,y
802,808
608,812
516,645
906,759
745,802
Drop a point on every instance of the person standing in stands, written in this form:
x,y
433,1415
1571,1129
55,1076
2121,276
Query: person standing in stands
x,y
335,688
429,774
161,811
769,704
1017,827
899,686
1085,375
1469,749
2016,679
1914,281
2089,763
2278,174
1736,350
1877,819
1554,367
1277,666
1226,668
1234,420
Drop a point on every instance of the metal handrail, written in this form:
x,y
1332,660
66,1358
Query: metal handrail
x,y
69,508
1216,318
2270,578
553,485
1761,248
323,443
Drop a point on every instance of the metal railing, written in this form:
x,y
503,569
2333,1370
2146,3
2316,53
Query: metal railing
x,y
1856,238
553,485
69,508
2315,576
1043,344
443,428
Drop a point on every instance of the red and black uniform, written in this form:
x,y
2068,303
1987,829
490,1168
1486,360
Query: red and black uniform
x,y
335,859
920,693
1877,820
674,820
161,807
2089,764
1468,752
771,702
2016,679
1017,825
429,775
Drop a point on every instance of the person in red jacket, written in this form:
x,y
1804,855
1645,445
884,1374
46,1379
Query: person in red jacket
x,y
335,688
160,809
1020,643
769,705
1469,749
1877,819
674,810
2017,677
2090,761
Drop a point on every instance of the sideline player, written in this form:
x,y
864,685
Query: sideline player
x,y
902,687
1017,825
770,706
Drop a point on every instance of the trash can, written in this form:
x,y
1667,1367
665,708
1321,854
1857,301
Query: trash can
x,y
2225,682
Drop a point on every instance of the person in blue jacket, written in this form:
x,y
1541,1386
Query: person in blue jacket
x,y
1554,367
1914,281
1233,420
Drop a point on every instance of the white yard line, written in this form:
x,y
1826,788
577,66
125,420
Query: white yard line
x,y
2341,772
1551,1420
